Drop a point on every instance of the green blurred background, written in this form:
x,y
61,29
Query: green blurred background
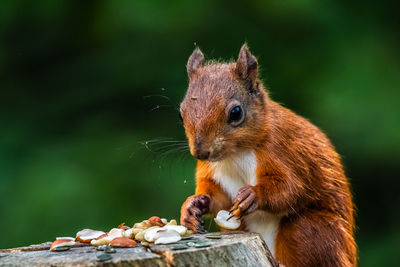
x,y
84,83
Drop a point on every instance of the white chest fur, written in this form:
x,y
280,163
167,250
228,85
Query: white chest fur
x,y
235,172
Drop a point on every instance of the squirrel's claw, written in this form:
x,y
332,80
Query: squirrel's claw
x,y
230,217
192,211
200,229
245,202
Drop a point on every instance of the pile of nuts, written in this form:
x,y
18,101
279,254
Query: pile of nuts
x,y
154,230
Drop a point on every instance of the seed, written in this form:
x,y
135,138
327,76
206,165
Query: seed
x,y
186,237
191,244
109,249
179,246
104,257
63,248
191,240
202,244
102,247
214,236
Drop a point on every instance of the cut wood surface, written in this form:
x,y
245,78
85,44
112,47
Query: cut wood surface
x,y
232,249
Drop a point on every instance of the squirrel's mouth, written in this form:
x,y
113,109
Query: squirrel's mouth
x,y
216,157
211,158
211,154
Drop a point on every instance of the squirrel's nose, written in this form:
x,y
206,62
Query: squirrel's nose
x,y
202,155
201,151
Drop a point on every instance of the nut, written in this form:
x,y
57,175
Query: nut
x,y
145,243
140,236
61,244
116,232
136,230
172,222
143,225
101,240
156,221
66,237
129,233
167,237
179,228
123,242
87,235
152,233
189,232
222,220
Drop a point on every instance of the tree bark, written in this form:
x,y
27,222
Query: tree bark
x,y
233,249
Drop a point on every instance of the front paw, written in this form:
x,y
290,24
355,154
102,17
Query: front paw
x,y
192,211
245,202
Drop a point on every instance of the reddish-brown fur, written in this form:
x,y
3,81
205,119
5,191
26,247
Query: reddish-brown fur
x,y
299,174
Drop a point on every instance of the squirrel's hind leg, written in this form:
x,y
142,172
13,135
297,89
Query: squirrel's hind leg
x,y
315,238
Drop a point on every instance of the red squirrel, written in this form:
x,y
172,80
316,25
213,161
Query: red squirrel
x,y
270,167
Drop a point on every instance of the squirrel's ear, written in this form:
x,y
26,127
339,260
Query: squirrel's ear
x,y
246,66
196,59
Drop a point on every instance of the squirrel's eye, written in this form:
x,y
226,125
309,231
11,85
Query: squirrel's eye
x,y
235,115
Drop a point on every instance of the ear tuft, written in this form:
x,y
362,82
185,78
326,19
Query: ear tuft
x,y
195,61
246,66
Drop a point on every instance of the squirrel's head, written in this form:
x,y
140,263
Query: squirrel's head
x,y
224,108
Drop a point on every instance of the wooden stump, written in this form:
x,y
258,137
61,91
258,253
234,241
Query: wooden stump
x,y
233,249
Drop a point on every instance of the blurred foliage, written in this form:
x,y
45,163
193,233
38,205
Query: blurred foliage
x,y
84,83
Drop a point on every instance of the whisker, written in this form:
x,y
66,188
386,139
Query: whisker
x,y
159,106
163,147
157,95
179,151
171,150
174,105
169,145
164,139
